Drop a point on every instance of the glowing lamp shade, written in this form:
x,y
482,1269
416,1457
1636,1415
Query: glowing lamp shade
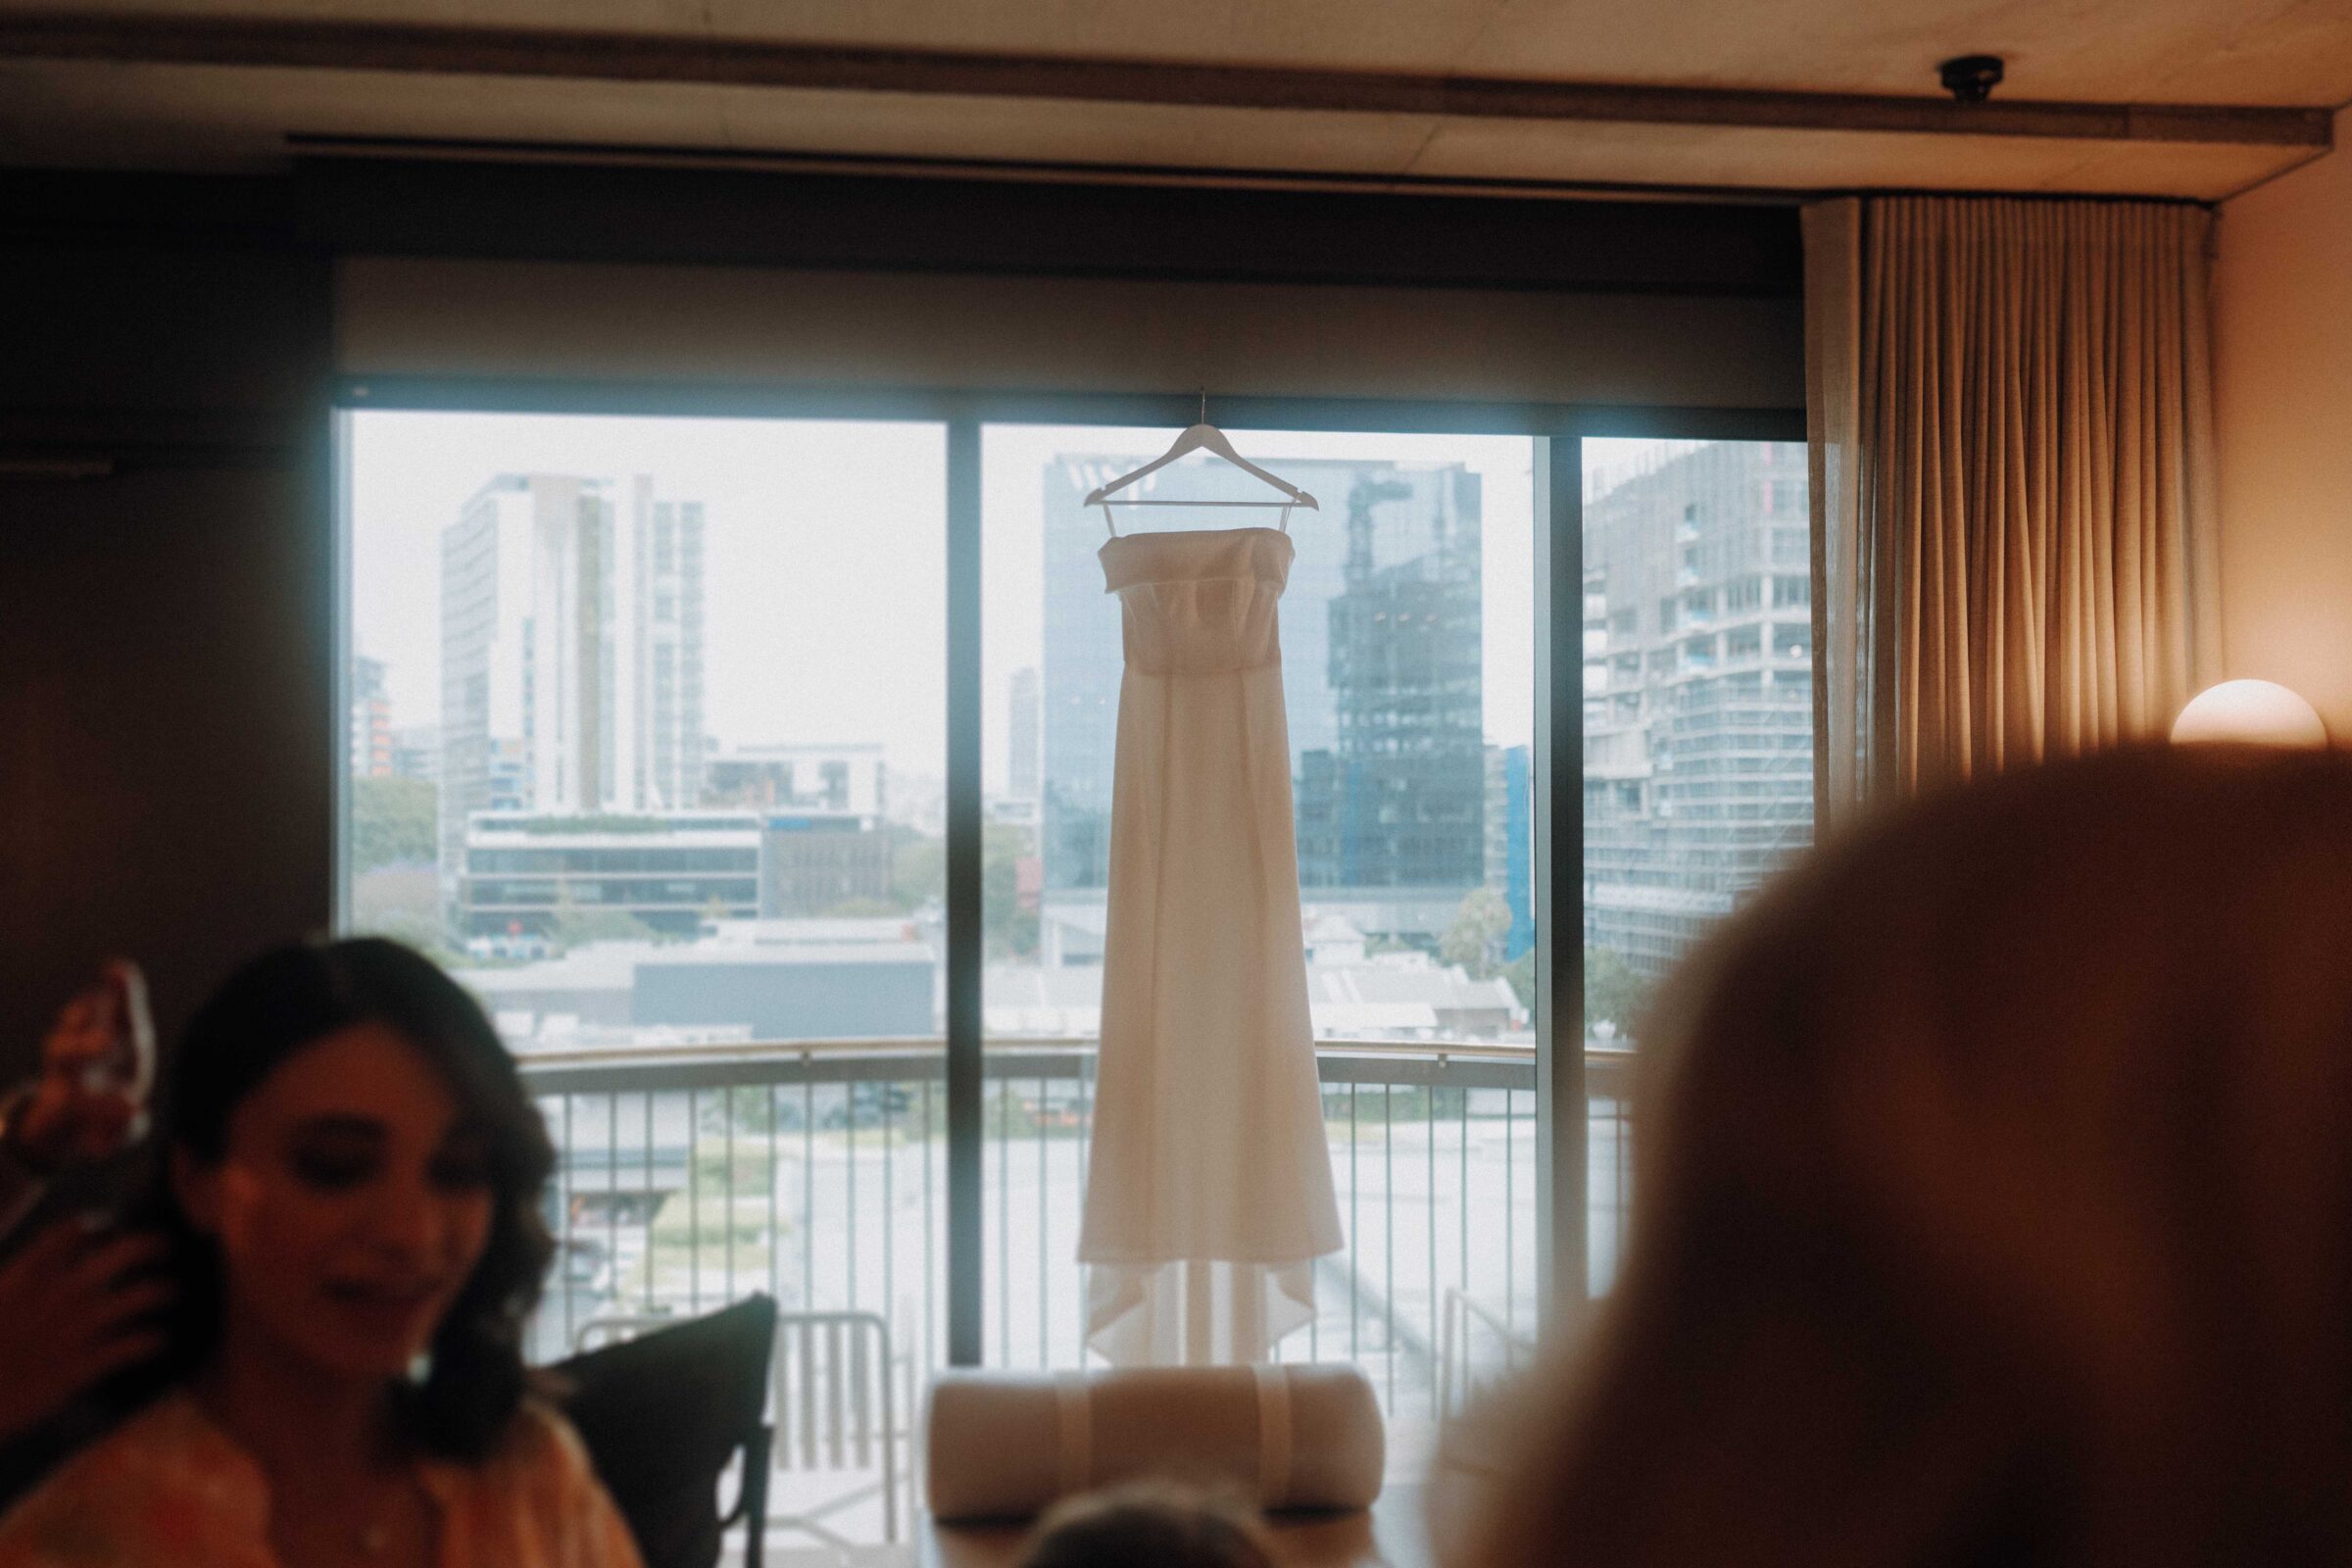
x,y
2249,712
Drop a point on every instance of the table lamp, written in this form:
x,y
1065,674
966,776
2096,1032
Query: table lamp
x,y
2249,712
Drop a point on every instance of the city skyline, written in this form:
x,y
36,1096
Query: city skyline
x,y
1462,490
822,534
816,537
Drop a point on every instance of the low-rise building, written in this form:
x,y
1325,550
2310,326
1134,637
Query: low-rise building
x,y
525,873
742,981
815,862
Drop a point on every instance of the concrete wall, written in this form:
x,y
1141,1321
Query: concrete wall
x,y
2282,404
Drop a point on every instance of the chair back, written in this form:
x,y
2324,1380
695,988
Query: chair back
x,y
618,1328
833,1407
663,1406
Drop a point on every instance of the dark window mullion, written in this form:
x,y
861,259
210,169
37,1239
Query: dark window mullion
x,y
965,1067
1558,858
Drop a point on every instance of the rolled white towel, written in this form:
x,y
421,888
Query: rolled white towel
x,y
1010,1444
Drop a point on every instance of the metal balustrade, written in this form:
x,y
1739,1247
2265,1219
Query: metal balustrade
x,y
816,1170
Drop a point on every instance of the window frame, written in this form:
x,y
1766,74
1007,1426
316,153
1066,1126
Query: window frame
x,y
1558,431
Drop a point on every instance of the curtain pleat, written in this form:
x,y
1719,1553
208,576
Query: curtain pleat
x,y
1843,724
2028,441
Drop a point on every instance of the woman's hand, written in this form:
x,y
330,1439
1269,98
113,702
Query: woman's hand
x,y
77,1304
90,1100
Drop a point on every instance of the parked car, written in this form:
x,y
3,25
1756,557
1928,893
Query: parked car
x,y
867,1104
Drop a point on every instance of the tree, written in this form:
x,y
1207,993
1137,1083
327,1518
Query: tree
x,y
918,870
394,821
1475,939
918,874
1520,973
1612,989
1012,931
575,926
1015,935
1613,992
862,909
402,903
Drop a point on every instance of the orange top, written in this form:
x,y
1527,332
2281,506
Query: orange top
x,y
170,1487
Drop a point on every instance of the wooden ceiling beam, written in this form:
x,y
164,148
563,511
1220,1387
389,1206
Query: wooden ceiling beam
x,y
621,57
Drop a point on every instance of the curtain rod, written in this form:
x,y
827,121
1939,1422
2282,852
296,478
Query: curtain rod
x,y
644,57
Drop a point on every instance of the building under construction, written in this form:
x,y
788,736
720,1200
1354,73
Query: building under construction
x,y
1698,695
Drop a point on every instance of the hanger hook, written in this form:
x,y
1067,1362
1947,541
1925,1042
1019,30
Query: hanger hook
x,y
1205,404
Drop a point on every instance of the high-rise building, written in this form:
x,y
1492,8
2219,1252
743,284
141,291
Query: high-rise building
x,y
371,754
1698,691
1511,841
1398,800
1021,736
572,650
487,590
1410,512
667,536
417,751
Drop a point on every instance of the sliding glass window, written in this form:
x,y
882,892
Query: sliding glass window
x,y
646,726
1698,722
656,739
1407,675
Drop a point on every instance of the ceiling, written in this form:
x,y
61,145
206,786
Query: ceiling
x,y
160,83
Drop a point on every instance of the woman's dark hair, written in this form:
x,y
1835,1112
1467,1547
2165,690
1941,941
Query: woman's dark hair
x,y
1993,1199
1148,1523
289,1000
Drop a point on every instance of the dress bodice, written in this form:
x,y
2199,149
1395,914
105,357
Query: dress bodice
x,y
1196,604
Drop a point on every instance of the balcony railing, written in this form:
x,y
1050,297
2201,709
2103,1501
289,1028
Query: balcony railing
x,y
816,1170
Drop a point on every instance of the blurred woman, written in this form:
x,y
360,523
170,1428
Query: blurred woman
x,y
1994,1200
353,1185
81,1295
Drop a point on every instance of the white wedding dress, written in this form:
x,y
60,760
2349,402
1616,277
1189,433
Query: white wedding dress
x,y
1208,1183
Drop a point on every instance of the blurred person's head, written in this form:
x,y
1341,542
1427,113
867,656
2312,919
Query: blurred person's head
x,y
1148,1525
1993,1199
354,1175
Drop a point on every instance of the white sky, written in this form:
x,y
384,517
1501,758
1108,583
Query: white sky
x,y
824,556
1611,459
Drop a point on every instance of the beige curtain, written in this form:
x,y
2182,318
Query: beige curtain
x,y
2013,481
